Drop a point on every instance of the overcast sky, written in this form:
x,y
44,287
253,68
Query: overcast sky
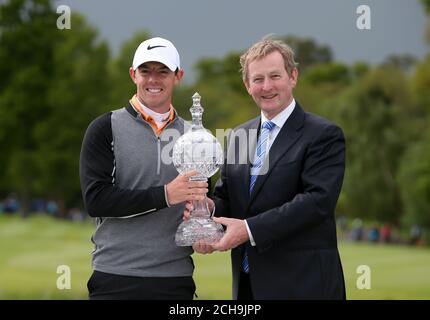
x,y
201,28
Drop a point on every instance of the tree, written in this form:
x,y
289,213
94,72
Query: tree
x,y
78,93
327,73
406,62
420,84
414,177
372,112
308,52
426,4
319,83
27,38
53,84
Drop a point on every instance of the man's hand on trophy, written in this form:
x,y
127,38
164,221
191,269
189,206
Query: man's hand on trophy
x,y
189,207
202,247
182,189
235,235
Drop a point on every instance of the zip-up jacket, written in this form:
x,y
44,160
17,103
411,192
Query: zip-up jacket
x,y
124,167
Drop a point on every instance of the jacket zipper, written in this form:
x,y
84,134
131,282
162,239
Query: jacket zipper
x,y
159,155
158,144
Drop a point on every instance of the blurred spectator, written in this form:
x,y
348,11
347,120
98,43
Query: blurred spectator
x,y
415,235
386,233
38,205
52,208
11,203
357,230
77,215
373,234
341,222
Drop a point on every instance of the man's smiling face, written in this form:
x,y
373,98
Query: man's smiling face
x,y
269,83
155,83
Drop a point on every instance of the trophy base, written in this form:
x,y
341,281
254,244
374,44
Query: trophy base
x,y
204,230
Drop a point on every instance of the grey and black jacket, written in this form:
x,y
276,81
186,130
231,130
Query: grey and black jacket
x,y
124,167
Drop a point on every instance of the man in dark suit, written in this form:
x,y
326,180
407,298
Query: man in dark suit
x,y
278,206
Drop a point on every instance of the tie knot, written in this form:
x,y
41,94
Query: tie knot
x,y
268,125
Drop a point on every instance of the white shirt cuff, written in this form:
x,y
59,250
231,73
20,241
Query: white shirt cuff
x,y
251,238
165,195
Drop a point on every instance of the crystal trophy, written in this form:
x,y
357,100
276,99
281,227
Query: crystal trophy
x,y
198,150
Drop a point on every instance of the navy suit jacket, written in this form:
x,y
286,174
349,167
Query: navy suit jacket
x,y
291,209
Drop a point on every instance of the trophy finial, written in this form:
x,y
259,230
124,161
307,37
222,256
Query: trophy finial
x,y
196,98
196,111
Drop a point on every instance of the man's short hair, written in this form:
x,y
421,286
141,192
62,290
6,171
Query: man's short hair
x,y
262,49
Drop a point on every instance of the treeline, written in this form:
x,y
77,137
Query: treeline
x,y
54,82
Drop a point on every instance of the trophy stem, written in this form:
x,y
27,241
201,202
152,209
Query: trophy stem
x,y
200,227
200,207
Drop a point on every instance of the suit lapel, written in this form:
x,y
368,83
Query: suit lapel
x,y
286,138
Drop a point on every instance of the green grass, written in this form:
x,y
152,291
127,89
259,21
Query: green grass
x,y
32,249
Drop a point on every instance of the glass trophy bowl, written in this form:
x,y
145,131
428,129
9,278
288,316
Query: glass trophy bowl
x,y
198,150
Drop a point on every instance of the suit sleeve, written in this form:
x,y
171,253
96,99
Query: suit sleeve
x,y
220,194
101,196
221,200
321,177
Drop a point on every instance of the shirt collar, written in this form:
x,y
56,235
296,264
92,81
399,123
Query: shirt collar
x,y
147,113
135,103
280,119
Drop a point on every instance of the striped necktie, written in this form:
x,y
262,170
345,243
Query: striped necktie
x,y
260,155
260,152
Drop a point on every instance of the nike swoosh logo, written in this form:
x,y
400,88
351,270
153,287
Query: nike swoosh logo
x,y
150,48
